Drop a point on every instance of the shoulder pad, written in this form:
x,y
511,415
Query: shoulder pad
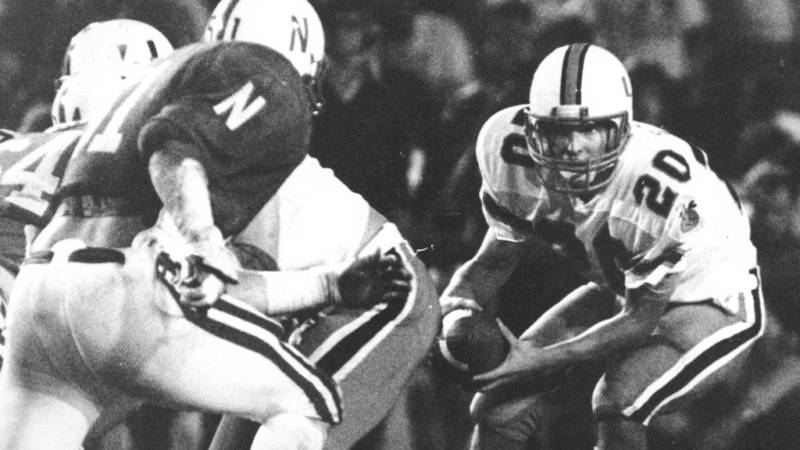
x,y
504,135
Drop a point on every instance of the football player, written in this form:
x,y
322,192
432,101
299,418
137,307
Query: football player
x,y
98,60
639,212
314,219
292,28
220,127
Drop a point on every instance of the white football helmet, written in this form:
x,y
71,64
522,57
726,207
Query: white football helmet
x,y
290,27
80,98
100,58
581,86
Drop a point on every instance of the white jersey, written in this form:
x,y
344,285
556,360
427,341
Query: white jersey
x,y
312,219
664,212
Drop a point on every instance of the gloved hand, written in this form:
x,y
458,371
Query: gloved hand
x,y
377,278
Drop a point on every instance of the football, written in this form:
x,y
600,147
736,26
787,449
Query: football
x,y
471,341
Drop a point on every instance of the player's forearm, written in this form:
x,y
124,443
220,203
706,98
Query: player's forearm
x,y
622,331
481,277
182,185
476,281
285,292
581,309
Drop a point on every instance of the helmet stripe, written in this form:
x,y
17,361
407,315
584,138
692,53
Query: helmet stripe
x,y
572,74
153,50
62,113
226,16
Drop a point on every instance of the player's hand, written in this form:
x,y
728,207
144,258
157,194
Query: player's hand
x,y
452,302
523,363
200,284
206,271
197,272
377,278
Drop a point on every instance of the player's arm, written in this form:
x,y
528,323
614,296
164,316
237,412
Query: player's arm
x,y
650,282
639,316
181,183
578,311
477,282
359,283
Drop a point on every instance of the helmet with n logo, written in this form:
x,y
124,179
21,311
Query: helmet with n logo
x,y
578,87
120,45
290,27
100,56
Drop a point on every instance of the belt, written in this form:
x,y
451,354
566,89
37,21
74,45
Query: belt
x,y
96,206
92,255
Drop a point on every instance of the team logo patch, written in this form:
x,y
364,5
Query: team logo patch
x,y
689,217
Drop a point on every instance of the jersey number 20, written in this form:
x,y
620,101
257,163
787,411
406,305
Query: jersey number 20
x,y
648,188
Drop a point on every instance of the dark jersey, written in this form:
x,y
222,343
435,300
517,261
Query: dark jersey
x,y
32,166
241,107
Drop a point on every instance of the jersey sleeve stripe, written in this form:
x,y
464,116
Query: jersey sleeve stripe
x,y
503,215
670,258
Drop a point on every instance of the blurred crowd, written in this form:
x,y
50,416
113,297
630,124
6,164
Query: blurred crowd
x,y
410,82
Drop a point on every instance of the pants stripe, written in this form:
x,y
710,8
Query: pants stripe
x,y
246,328
236,307
349,345
709,355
